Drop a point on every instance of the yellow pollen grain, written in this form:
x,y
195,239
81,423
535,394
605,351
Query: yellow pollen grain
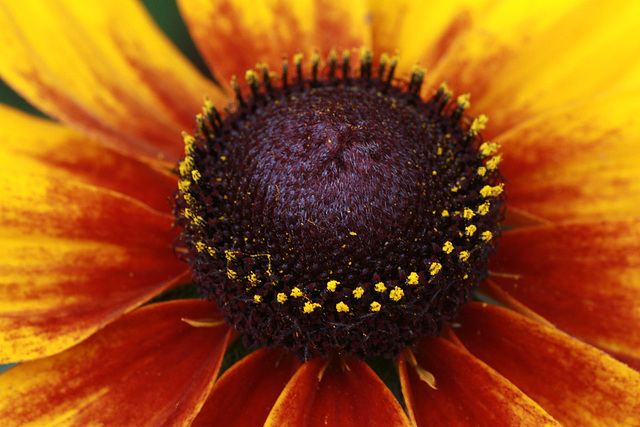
x,y
201,246
232,275
489,191
331,285
211,251
413,278
195,174
468,213
358,292
435,268
253,279
464,255
310,306
493,163
208,105
439,151
342,307
489,148
189,144
482,171
445,213
445,90
448,247
487,235
478,124
183,185
464,101
251,77
470,230
186,166
353,233
380,287
296,293
191,201
396,294
257,299
282,297
375,306
483,209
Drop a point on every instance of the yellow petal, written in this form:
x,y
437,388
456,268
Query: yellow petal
x,y
42,147
523,58
73,258
421,33
103,67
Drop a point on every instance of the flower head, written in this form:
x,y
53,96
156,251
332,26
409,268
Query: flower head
x,y
330,249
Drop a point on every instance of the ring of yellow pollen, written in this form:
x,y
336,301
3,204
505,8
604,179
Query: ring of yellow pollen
x,y
334,209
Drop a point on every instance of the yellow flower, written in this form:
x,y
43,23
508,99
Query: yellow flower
x,y
87,235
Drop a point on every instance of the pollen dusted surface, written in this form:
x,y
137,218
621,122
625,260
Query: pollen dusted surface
x,y
338,212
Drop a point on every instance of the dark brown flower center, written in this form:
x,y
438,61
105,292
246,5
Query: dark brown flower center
x,y
339,214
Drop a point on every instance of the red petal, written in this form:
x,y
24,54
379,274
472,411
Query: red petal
x,y
245,394
235,36
340,391
43,147
74,258
582,277
147,368
468,391
104,68
574,382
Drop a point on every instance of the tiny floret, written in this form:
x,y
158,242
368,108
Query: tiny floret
x,y
396,294
342,307
282,297
489,191
464,255
487,235
310,306
332,284
380,287
448,247
435,268
257,299
470,230
468,213
296,293
375,306
358,292
413,278
483,209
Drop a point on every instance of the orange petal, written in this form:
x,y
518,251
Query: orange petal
x,y
245,394
234,36
340,391
579,162
582,277
43,147
574,382
147,368
105,68
468,392
522,59
74,258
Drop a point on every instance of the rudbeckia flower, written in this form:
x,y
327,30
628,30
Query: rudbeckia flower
x,y
340,206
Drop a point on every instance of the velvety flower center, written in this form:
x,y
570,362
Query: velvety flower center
x,y
339,212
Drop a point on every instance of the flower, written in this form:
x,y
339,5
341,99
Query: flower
x,y
86,223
